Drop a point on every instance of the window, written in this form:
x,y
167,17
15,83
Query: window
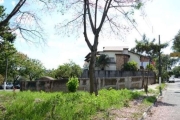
x,y
111,60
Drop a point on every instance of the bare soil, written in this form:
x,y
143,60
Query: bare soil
x,y
133,111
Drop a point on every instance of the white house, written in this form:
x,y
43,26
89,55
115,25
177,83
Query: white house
x,y
118,56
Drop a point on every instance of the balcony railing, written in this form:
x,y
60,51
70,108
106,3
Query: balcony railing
x,y
117,73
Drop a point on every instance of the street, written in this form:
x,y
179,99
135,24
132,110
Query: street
x,y
168,106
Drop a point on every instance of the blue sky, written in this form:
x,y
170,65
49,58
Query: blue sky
x,y
162,19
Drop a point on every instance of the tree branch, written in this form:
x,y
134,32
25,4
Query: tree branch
x,y
90,18
13,12
95,18
85,32
104,14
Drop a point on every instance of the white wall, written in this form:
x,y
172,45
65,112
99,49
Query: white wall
x,y
111,54
136,58
111,67
133,57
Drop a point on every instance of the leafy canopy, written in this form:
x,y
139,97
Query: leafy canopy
x,y
176,42
102,61
130,66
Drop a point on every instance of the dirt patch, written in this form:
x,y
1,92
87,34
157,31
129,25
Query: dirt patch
x,y
134,111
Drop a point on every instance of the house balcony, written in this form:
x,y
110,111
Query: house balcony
x,y
117,73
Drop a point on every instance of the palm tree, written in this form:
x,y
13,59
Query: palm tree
x,y
102,61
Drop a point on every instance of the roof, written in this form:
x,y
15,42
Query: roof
x,y
115,48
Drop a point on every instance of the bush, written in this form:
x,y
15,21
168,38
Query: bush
x,y
130,66
150,67
72,84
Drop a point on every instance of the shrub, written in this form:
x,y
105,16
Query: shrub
x,y
150,67
130,66
72,84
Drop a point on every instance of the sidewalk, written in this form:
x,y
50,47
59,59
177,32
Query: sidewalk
x,y
153,87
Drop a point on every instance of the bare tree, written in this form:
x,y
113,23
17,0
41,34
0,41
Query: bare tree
x,y
24,18
95,16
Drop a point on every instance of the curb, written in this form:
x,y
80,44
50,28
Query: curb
x,y
149,108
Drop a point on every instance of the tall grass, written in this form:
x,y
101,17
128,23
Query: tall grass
x,y
61,106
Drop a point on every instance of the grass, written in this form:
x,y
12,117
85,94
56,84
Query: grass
x,y
163,86
58,105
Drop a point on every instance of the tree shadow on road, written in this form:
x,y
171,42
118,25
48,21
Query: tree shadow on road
x,y
160,103
176,92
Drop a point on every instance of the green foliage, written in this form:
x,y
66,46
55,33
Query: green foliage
x,y
176,42
163,86
148,47
5,33
72,84
33,69
18,63
50,73
176,71
150,67
1,79
149,100
166,63
130,66
102,61
61,106
68,70
6,52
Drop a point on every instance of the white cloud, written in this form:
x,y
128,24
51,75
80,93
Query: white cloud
x,y
13,3
1,1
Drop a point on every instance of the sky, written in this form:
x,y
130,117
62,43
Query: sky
x,y
162,18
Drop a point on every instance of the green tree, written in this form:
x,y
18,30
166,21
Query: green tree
x,y
5,31
166,64
102,61
130,66
33,69
6,53
51,73
1,79
176,71
68,70
176,42
94,14
16,65
147,47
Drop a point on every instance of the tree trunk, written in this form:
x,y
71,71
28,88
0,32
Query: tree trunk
x,y
143,78
93,82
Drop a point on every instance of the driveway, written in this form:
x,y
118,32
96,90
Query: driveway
x,y
168,106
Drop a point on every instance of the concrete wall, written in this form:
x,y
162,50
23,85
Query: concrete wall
x,y
133,82
116,73
136,58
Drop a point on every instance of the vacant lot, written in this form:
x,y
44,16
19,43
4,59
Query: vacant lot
x,y
109,104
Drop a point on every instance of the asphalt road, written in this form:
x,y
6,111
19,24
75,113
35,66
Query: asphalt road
x,y
168,107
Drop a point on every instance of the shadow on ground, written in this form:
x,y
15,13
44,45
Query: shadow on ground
x,y
160,103
176,92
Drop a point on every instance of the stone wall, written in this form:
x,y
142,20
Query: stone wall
x,y
133,82
119,61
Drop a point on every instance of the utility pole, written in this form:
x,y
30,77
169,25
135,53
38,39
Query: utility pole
x,y
6,74
160,89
